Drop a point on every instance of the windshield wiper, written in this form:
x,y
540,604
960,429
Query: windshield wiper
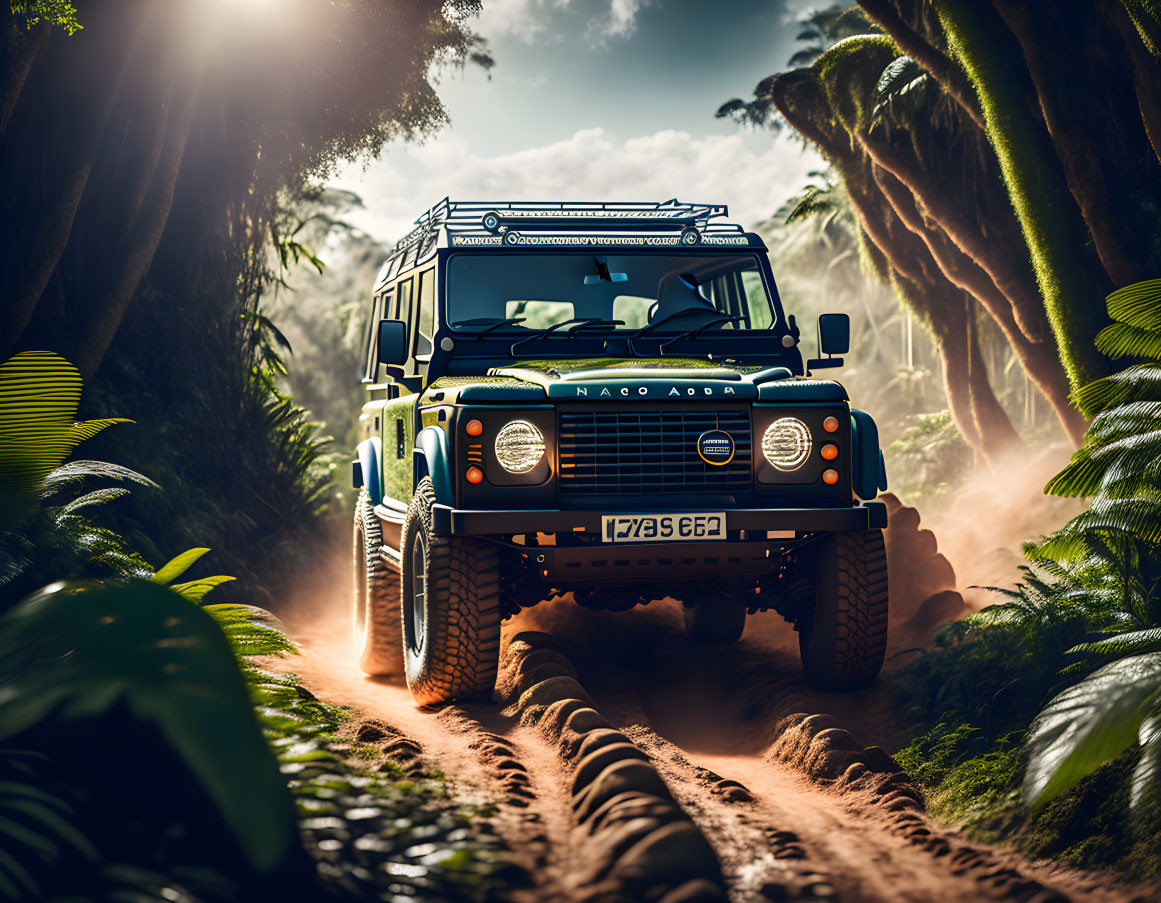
x,y
698,330
574,324
721,319
492,323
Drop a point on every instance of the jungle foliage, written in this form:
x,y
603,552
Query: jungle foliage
x,y
1053,698
143,755
143,225
969,206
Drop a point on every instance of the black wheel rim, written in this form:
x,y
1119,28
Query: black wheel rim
x,y
417,611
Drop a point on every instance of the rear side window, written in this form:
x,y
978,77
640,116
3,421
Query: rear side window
x,y
426,318
403,311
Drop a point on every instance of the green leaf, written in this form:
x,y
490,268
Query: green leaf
x,y
1088,724
1137,305
39,395
1147,775
1123,340
175,567
1123,643
196,590
71,652
76,471
96,497
1141,382
902,76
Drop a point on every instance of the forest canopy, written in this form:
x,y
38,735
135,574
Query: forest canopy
x,y
141,221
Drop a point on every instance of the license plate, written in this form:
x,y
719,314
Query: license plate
x,y
662,527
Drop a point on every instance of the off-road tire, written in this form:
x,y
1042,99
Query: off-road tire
x,y
377,634
714,619
843,640
454,651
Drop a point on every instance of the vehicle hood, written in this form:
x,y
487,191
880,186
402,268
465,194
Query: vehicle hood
x,y
669,378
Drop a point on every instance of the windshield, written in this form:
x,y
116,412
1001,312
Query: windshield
x,y
639,289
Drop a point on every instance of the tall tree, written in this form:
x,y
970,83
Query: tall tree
x,y
964,136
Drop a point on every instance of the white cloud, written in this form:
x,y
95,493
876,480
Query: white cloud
x,y
619,21
754,175
539,21
526,20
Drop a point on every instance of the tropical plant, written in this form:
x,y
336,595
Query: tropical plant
x,y
83,659
1111,556
45,520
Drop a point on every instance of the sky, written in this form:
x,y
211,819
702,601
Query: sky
x,y
601,100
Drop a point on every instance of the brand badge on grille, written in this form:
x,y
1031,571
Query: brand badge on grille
x,y
715,447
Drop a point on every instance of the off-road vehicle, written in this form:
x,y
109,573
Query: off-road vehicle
x,y
605,400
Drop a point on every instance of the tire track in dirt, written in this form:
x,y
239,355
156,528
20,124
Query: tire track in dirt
x,y
669,772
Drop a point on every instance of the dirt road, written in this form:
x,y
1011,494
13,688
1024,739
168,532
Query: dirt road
x,y
627,764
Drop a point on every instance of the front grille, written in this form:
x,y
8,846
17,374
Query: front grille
x,y
649,452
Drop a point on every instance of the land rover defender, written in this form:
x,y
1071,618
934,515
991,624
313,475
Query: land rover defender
x,y
607,401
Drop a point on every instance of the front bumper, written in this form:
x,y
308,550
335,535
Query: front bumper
x,y
864,516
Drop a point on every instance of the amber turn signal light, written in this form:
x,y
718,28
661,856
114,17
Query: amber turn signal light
x,y
830,424
475,475
830,477
829,452
474,428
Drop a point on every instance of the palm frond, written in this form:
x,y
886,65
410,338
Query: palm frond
x,y
1122,644
39,395
96,497
1137,305
1123,340
1088,724
1141,382
77,471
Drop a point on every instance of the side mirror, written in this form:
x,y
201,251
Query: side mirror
x,y
834,337
392,342
834,333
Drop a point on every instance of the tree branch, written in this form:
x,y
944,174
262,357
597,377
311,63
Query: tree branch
x,y
143,239
1038,359
938,64
1073,142
34,44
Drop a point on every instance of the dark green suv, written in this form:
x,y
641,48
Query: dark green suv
x,y
605,400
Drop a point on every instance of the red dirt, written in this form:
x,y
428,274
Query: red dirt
x,y
792,808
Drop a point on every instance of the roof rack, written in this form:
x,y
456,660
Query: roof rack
x,y
486,223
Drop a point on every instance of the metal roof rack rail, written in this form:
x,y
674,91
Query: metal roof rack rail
x,y
489,218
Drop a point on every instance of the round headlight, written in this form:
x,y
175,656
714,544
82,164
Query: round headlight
x,y
786,443
519,446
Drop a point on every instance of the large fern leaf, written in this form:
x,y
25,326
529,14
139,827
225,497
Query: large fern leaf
x,y
1088,724
1137,641
39,395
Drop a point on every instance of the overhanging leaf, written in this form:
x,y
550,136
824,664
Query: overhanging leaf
x,y
39,395
175,567
71,652
1137,305
1088,724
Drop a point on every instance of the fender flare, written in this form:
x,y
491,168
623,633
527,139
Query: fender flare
x,y
367,456
869,470
432,459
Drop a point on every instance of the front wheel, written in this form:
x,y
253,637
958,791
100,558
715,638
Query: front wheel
x,y
451,609
376,610
843,639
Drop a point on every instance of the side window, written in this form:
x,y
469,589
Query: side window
x,y
403,311
425,325
371,371
761,313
